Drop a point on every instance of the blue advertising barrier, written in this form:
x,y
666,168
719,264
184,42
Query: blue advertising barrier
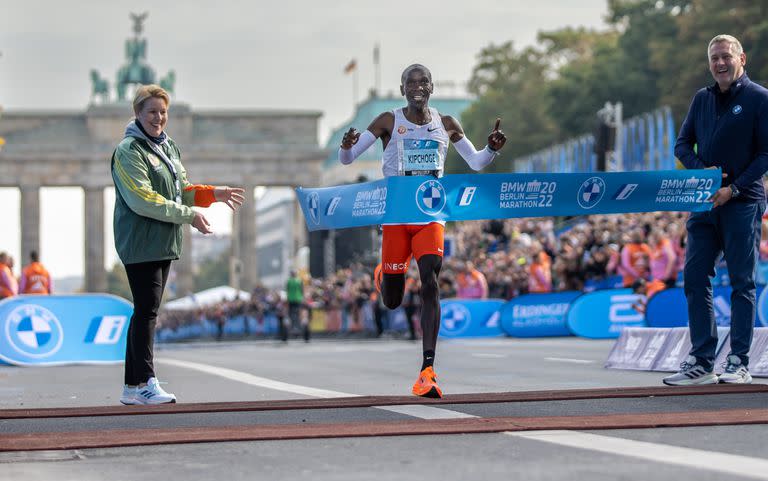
x,y
611,282
237,326
603,314
761,319
669,307
470,318
51,330
501,196
537,315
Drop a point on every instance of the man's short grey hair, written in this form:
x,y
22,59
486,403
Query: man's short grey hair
x,y
732,41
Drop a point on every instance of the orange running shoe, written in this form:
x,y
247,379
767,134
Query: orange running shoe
x,y
377,278
426,384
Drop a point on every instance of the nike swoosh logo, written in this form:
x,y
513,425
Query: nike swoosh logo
x,y
432,130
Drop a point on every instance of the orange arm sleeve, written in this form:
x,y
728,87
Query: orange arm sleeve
x,y
203,194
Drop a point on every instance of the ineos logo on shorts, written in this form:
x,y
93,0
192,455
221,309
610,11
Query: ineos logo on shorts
x,y
313,206
394,266
430,197
33,331
591,192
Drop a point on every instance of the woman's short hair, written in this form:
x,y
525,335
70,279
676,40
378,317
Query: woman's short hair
x,y
145,92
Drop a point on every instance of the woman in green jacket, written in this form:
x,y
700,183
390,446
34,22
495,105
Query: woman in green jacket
x,y
152,200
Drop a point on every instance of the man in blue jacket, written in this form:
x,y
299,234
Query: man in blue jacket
x,y
727,128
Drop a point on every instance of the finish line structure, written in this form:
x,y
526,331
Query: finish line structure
x,y
404,199
105,427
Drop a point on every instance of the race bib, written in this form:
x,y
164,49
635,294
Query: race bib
x,y
421,155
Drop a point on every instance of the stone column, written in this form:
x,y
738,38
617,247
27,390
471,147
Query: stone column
x,y
30,223
235,248
184,267
247,233
95,275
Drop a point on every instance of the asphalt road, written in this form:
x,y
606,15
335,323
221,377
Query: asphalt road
x,y
251,371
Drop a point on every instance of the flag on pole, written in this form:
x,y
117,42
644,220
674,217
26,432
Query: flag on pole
x,y
376,53
352,65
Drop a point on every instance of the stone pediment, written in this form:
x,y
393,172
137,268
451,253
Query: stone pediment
x,y
221,147
105,124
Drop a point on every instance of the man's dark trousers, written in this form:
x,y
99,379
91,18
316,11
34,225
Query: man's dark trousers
x,y
734,230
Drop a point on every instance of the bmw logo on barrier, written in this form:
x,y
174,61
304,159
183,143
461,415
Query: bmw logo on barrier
x,y
33,331
591,192
313,206
455,318
737,109
430,197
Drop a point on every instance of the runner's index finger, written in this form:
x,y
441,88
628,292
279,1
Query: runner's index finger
x,y
498,121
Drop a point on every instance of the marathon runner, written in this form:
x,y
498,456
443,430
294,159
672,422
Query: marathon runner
x,y
415,140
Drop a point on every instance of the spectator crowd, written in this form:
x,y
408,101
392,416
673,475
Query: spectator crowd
x,y
489,259
499,259
33,279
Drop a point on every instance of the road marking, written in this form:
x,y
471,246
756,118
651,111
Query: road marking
x,y
247,378
488,355
733,464
426,412
567,359
417,411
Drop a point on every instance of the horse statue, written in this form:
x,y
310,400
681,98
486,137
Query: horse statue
x,y
168,82
136,71
99,87
138,21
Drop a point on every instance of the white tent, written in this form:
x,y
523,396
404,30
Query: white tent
x,y
207,297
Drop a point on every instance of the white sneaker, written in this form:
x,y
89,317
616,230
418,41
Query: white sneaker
x,y
735,372
152,393
690,374
129,395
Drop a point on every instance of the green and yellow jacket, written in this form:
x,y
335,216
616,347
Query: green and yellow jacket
x,y
152,198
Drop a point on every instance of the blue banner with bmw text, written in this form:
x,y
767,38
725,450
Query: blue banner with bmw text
x,y
53,330
537,315
470,318
499,196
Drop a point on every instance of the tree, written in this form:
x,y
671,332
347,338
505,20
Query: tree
x,y
698,22
587,77
652,54
508,84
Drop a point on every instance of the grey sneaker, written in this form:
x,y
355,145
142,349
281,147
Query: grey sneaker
x,y
129,395
691,373
735,372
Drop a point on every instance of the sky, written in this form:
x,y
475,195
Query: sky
x,y
242,55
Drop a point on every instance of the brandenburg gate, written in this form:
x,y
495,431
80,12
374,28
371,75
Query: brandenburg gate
x,y
244,148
